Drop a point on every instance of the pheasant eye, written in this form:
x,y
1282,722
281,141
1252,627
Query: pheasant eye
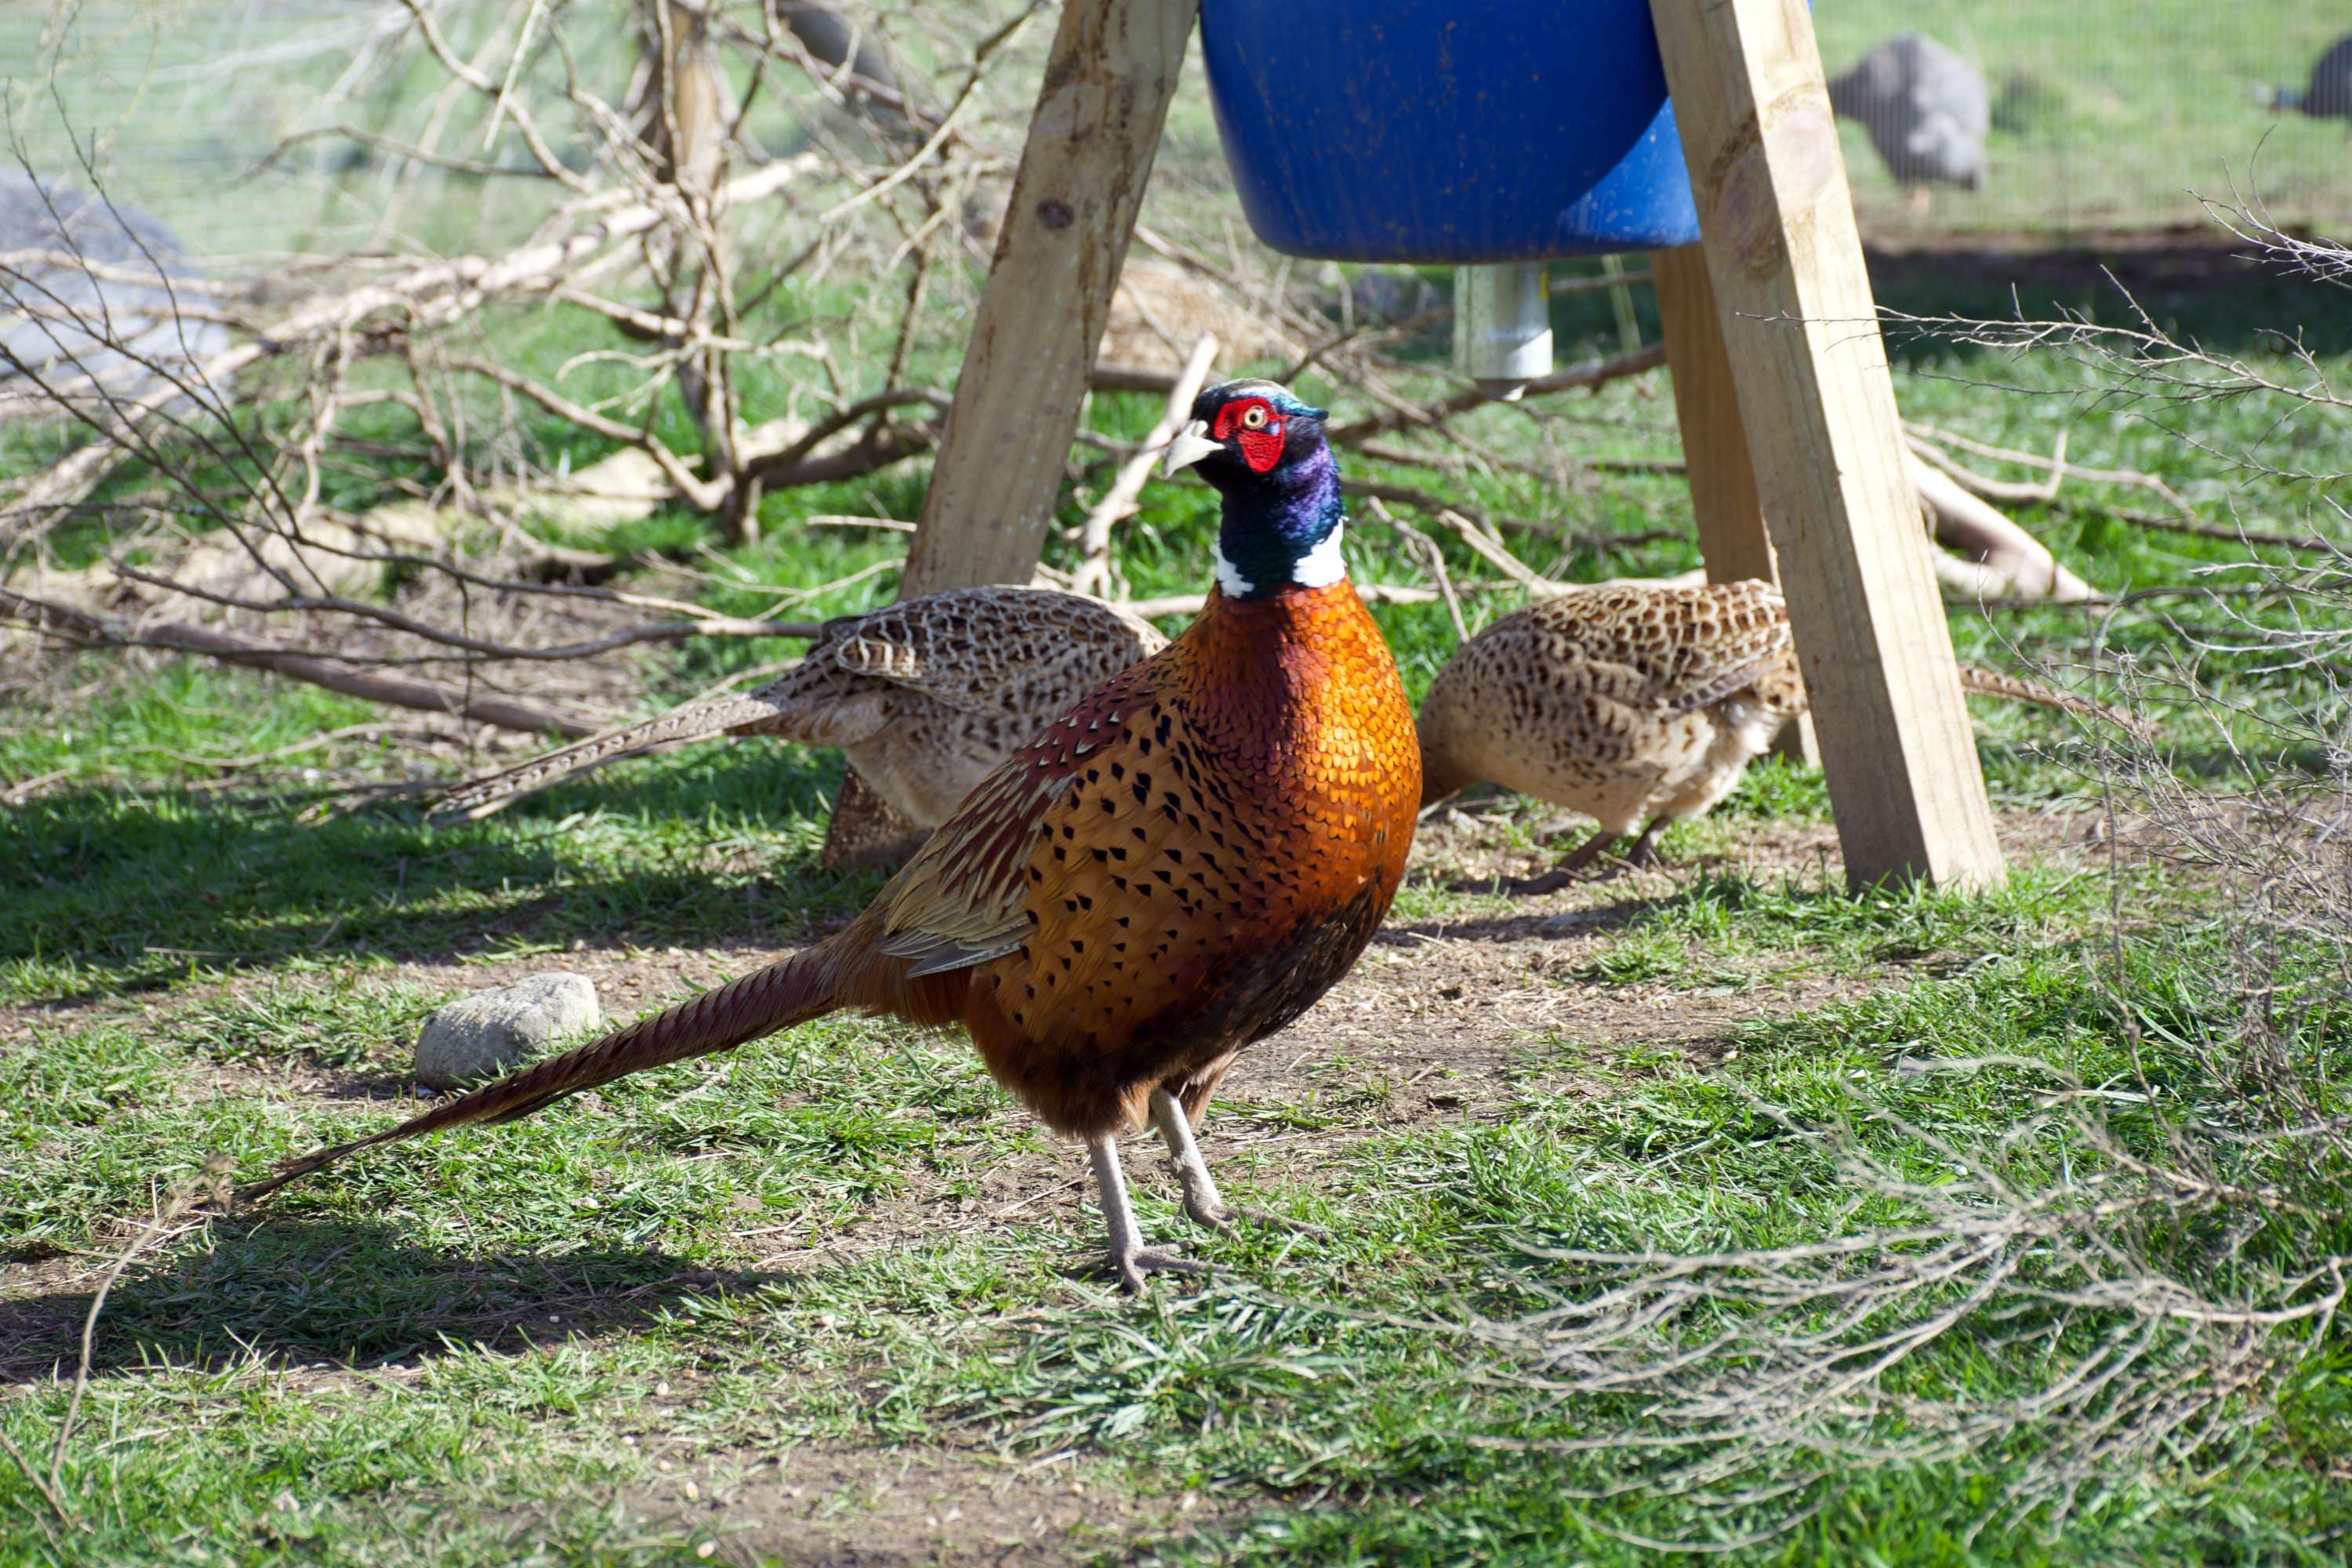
x,y
1254,417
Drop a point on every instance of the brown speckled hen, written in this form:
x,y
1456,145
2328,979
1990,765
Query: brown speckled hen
x,y
923,696
1179,866
1634,704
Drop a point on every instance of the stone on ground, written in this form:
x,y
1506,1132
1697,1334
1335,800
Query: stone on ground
x,y
479,1036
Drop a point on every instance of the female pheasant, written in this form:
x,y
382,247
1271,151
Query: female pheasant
x,y
923,696
1633,703
1179,866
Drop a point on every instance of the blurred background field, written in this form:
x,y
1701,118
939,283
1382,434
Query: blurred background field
x,y
2106,115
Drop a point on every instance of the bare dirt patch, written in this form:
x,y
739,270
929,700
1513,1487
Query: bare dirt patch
x,y
845,1506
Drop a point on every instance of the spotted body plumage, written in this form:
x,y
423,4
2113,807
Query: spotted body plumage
x,y
923,696
1243,796
1178,866
1634,704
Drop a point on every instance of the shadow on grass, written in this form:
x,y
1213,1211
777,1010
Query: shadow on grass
x,y
1536,925
114,891
357,1293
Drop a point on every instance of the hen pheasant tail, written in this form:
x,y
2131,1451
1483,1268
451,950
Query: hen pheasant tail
x,y
689,722
1979,682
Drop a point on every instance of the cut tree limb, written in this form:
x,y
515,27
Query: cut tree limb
x,y
87,627
1776,218
1109,76
2007,561
1733,539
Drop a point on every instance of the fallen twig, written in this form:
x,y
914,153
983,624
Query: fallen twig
x,y
1094,573
1434,559
1589,372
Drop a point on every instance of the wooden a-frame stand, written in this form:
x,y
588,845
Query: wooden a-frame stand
x,y
1781,384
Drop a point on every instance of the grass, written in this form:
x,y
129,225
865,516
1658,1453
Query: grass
x,y
2105,115
795,1276
386,1368
842,1253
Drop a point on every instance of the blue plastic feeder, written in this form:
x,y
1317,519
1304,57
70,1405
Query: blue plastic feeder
x,y
1469,131
1492,134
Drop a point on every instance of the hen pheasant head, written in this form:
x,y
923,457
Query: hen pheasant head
x,y
1263,450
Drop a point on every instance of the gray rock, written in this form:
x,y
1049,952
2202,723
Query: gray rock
x,y
1926,110
114,318
478,1036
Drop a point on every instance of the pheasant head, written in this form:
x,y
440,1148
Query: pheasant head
x,y
1263,450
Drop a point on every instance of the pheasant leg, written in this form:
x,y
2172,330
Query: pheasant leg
x,y
1644,851
1129,1256
1575,860
1202,1201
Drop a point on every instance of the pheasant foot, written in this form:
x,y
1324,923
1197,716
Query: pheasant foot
x,y
1564,874
1645,852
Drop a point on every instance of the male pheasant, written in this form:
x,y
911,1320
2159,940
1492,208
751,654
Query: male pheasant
x,y
1179,866
923,696
1630,703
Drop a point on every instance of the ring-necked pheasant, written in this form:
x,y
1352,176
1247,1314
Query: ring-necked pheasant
x,y
1634,704
1179,866
923,696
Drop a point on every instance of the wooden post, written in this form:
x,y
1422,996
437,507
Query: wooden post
x,y
1108,83
1108,79
1824,441
1731,534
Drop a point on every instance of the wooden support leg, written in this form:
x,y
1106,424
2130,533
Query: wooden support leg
x,y
1096,125
1109,78
1824,440
1731,532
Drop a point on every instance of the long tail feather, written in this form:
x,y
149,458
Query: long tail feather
x,y
2016,688
690,722
788,992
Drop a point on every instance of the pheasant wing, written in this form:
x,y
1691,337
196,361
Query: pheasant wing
x,y
961,901
981,649
1680,649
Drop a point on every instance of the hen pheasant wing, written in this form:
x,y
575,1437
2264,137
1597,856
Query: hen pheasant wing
x,y
1682,649
979,650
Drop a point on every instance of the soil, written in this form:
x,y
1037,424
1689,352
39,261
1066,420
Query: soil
x,y
853,1507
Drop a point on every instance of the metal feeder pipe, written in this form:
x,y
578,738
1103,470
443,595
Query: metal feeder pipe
x,y
1502,326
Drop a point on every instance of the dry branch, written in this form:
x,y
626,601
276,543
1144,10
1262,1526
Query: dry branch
x,y
2010,561
87,629
1094,573
1587,374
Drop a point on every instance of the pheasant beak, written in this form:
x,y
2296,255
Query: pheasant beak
x,y
1188,446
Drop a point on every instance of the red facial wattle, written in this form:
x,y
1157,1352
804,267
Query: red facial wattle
x,y
1261,442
